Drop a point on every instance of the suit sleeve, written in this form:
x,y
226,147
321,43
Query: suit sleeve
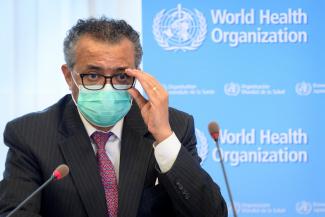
x,y
191,189
20,177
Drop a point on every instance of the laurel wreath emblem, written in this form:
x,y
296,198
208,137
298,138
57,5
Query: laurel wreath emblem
x,y
162,42
202,145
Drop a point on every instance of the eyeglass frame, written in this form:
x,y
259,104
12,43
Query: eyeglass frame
x,y
82,75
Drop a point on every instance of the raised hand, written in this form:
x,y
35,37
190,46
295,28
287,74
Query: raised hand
x,y
154,110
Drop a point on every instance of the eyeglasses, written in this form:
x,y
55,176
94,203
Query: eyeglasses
x,y
95,81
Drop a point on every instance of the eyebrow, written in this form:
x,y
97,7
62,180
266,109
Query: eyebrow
x,y
98,68
93,67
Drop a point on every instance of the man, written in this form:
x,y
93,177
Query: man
x,y
128,156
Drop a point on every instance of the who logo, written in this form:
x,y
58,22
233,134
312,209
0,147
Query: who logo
x,y
232,89
304,207
303,88
179,29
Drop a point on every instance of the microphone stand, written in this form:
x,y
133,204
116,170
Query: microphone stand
x,y
30,196
226,178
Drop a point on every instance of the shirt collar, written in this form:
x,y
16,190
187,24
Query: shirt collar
x,y
116,129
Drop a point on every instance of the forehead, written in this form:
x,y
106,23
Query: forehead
x,y
89,51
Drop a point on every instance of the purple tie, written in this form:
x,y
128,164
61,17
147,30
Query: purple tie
x,y
107,172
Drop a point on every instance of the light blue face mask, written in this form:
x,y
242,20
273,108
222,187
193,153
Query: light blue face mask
x,y
105,107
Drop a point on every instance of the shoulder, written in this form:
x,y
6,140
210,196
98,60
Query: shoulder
x,y
181,123
177,117
39,119
178,114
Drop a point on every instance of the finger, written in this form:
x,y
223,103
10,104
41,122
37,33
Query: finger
x,y
144,78
155,92
145,112
137,73
139,99
150,85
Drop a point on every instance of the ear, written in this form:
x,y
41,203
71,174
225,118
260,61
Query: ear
x,y
67,75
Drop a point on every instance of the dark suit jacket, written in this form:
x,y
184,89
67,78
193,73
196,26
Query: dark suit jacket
x,y
39,142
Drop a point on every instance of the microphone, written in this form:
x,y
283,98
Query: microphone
x,y
214,131
60,172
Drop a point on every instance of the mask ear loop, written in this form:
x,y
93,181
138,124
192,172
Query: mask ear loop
x,y
74,81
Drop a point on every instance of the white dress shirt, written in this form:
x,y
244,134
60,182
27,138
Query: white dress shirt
x,y
165,152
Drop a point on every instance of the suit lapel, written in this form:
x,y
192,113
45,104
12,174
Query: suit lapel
x,y
136,150
80,157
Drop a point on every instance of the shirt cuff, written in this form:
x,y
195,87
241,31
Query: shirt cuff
x,y
166,152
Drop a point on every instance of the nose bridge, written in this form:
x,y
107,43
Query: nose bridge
x,y
110,77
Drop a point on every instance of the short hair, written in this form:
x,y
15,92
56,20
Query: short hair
x,y
102,29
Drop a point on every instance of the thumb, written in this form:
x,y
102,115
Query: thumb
x,y
139,99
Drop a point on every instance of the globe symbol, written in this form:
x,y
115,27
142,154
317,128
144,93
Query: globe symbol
x,y
304,88
179,29
303,207
202,144
232,89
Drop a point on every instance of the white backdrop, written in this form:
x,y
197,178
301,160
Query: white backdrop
x,y
31,50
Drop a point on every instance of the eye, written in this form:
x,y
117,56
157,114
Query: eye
x,y
122,77
92,76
